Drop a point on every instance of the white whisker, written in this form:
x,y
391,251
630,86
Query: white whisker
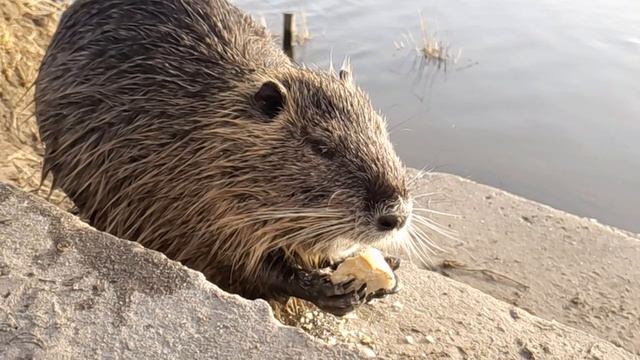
x,y
418,176
419,196
435,227
426,240
310,234
437,212
417,248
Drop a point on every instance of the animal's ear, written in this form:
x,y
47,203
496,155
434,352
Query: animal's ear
x,y
345,75
345,72
270,98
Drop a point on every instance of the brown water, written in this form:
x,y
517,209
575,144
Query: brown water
x,y
543,102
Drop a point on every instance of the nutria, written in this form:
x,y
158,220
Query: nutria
x,y
181,125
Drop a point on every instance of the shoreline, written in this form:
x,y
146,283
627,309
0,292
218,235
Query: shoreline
x,y
574,270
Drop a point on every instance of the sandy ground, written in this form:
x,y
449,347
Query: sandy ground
x,y
554,265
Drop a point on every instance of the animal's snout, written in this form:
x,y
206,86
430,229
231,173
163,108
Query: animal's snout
x,y
387,201
392,214
391,221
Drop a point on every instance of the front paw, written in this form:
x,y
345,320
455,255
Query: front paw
x,y
337,299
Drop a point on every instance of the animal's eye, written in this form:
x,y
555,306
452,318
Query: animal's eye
x,y
320,147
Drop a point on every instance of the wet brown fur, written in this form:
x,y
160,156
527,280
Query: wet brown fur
x,y
147,113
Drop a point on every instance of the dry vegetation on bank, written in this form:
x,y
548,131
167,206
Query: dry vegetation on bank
x,y
430,47
25,29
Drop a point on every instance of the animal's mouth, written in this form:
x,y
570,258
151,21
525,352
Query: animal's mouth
x,y
346,245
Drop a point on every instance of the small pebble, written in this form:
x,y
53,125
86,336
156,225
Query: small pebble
x,y
368,352
309,315
351,315
430,339
397,306
514,314
63,246
409,339
366,340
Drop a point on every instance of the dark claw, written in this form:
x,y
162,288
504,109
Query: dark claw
x,y
314,284
316,287
329,289
394,262
361,293
341,305
346,285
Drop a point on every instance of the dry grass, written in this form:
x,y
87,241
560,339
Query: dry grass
x,y
26,27
435,51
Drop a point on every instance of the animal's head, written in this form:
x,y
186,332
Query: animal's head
x,y
325,153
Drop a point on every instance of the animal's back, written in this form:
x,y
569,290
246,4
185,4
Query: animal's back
x,y
214,29
113,64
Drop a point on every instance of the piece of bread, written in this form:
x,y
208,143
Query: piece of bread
x,y
368,266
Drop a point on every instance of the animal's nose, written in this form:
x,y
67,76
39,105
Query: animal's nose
x,y
391,221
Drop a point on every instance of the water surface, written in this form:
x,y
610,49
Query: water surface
x,y
543,102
